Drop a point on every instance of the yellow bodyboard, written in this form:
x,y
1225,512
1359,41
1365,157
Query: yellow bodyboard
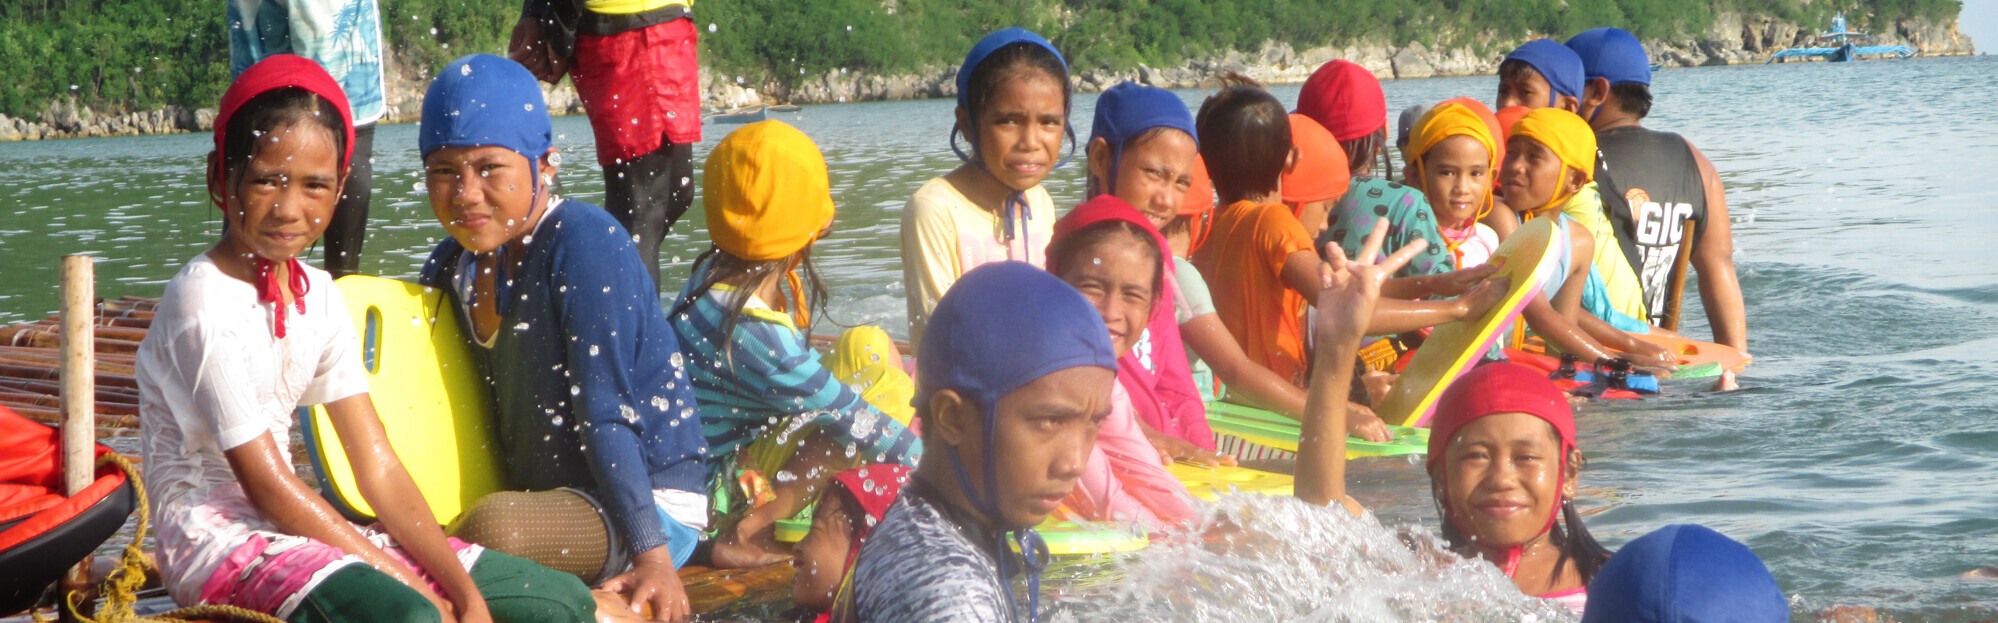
x,y
1528,257
1208,483
434,403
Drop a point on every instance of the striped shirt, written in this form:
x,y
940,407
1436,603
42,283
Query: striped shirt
x,y
773,379
921,565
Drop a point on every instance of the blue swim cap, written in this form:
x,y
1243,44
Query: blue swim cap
x,y
483,99
1128,110
1685,574
1555,62
1612,53
1002,326
991,43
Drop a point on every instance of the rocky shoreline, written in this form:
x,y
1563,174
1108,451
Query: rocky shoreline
x,y
1733,39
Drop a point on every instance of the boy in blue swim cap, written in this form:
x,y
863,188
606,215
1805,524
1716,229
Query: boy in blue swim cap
x,y
1029,383
1542,73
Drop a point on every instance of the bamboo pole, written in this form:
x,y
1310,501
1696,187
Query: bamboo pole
x,y
1675,284
79,374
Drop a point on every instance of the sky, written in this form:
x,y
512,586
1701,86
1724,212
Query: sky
x,y
1980,20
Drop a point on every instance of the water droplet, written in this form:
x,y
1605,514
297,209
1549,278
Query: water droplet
x,y
463,70
523,327
593,350
528,106
630,414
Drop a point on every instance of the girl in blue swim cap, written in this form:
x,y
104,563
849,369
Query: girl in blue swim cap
x,y
1012,112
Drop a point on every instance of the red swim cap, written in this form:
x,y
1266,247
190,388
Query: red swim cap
x,y
1496,388
1345,98
277,72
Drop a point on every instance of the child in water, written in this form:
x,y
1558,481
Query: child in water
x,y
1347,100
1011,397
1012,107
1503,465
245,334
1453,156
595,419
1111,254
1550,163
854,503
777,422
1141,149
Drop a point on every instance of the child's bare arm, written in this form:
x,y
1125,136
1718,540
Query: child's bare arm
x,y
398,504
1561,332
1263,388
1345,307
296,509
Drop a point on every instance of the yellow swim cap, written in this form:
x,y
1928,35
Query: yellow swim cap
x,y
1568,136
766,190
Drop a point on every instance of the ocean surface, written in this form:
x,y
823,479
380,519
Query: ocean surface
x,y
1860,460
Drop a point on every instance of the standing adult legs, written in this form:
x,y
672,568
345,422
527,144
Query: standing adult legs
x,y
350,217
648,194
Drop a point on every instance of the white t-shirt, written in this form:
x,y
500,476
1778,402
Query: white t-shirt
x,y
213,376
1477,248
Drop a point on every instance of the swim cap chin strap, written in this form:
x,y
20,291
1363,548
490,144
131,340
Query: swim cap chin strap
x,y
1033,549
1014,213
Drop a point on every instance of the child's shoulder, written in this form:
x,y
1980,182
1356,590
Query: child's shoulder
x,y
938,194
200,288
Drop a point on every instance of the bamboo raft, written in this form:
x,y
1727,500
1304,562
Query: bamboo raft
x,y
30,385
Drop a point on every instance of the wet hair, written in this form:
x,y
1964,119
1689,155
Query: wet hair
x,y
1632,97
1361,152
268,112
1063,253
1004,64
1244,138
744,276
1569,535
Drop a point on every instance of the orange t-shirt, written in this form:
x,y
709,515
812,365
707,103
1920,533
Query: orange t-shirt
x,y
1243,264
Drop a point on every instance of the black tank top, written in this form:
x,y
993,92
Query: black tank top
x,y
1651,185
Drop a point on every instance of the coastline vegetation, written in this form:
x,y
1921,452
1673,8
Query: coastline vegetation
x,y
129,55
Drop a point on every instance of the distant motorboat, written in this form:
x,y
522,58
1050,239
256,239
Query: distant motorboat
x,y
739,116
1844,46
785,108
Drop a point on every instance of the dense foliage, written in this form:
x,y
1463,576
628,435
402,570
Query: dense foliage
x,y
144,54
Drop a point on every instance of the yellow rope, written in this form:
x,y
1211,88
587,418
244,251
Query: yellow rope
x,y
121,587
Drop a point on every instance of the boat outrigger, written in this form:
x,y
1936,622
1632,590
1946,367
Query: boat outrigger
x,y
1845,46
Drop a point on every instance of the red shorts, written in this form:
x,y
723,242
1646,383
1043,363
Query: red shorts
x,y
642,88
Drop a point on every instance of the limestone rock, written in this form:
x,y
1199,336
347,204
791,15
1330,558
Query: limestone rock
x,y
1412,62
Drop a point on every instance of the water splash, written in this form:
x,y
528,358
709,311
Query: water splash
x,y
1266,558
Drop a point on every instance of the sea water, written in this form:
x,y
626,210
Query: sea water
x,y
1861,460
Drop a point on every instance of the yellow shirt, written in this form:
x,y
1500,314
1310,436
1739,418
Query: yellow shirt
x,y
1626,293
628,7
944,234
